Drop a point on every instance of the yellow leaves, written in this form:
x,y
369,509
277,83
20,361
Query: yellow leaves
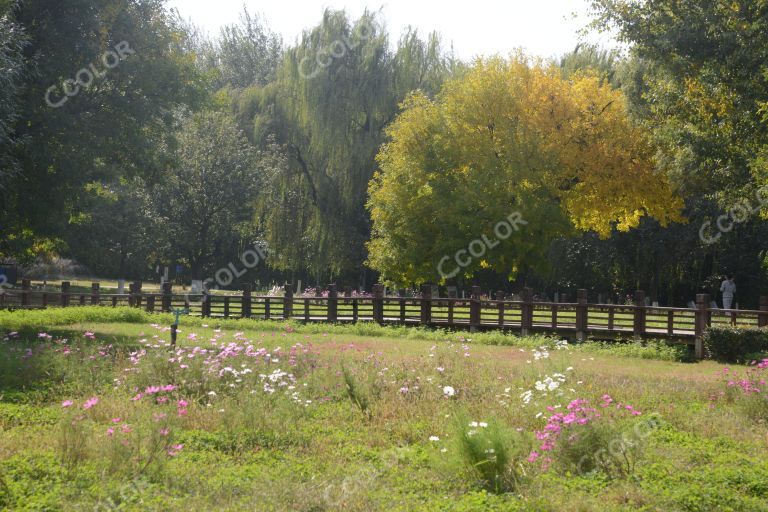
x,y
511,135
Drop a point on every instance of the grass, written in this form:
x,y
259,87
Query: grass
x,y
361,417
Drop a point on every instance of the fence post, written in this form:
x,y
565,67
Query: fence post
x,y
26,285
137,292
206,305
65,293
333,303
640,314
288,302
526,311
582,298
95,291
150,303
246,305
167,297
500,299
426,305
474,309
762,318
702,322
378,304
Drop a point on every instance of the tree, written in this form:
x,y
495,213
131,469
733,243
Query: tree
x,y
697,78
99,102
119,232
707,92
12,65
208,200
334,94
509,137
247,54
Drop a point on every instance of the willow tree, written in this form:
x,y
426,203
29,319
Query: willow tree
x,y
335,93
510,137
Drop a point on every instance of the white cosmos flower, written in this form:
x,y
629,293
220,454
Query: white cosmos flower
x,y
434,439
448,391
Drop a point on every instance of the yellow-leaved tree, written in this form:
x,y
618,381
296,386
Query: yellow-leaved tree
x,y
511,136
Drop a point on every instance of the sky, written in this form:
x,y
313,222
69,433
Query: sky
x,y
545,28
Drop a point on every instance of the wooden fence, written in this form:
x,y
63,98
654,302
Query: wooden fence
x,y
580,319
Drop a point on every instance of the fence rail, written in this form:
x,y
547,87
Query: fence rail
x,y
581,319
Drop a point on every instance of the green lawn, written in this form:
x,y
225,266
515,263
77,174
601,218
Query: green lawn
x,y
249,415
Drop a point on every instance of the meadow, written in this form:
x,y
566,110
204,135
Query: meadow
x,y
99,412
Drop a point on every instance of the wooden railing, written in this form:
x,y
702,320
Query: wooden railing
x,y
580,319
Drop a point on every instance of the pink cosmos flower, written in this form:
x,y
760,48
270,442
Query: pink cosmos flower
x,y
116,420
164,432
90,402
110,431
137,397
175,449
67,403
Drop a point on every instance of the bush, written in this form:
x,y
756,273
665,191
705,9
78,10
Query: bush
x,y
735,344
492,455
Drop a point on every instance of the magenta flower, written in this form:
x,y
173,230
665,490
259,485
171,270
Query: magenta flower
x,y
67,403
175,449
90,402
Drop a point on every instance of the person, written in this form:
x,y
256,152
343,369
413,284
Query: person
x,y
728,289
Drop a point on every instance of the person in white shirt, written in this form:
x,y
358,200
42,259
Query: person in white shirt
x,y
728,289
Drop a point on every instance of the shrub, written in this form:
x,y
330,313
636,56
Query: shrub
x,y
493,455
735,344
612,449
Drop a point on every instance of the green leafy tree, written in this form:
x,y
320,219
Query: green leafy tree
x,y
334,94
119,232
509,137
116,122
208,199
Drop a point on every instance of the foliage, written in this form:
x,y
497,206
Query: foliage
x,y
117,127
735,344
706,88
519,124
208,201
329,114
492,453
120,231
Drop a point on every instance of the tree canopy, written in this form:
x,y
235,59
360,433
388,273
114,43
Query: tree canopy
x,y
510,136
